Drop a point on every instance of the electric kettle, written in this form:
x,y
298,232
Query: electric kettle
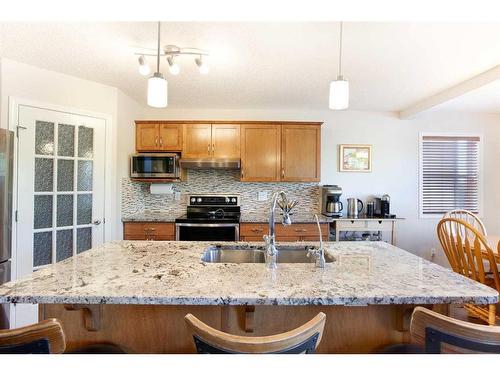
x,y
354,207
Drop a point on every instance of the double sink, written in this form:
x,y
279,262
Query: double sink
x,y
257,254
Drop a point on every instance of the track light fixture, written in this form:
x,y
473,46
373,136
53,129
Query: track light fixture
x,y
172,53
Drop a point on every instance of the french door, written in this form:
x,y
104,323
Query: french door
x,y
60,189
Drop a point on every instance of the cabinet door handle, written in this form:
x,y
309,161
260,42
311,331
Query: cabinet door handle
x,y
256,230
161,142
301,230
242,173
213,148
208,149
283,173
156,141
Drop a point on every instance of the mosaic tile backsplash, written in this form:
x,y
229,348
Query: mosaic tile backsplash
x,y
136,196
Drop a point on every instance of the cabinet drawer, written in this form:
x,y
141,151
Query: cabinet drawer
x,y
364,225
294,232
146,230
301,230
253,229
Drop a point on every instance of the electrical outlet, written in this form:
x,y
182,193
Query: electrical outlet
x,y
433,253
262,196
177,196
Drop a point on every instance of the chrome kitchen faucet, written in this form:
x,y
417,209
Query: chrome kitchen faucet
x,y
270,239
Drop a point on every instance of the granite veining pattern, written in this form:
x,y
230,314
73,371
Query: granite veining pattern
x,y
142,272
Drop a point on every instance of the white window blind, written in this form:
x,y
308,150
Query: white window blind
x,y
449,174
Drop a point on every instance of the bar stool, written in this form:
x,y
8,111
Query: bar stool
x,y
304,339
46,337
433,333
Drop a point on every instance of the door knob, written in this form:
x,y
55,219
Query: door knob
x,y
97,222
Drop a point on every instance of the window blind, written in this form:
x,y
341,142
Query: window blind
x,y
450,174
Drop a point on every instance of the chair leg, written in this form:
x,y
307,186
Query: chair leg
x,y
491,314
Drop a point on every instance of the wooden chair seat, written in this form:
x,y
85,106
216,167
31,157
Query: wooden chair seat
x,y
303,339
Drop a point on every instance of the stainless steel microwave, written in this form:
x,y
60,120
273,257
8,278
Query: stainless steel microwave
x,y
158,165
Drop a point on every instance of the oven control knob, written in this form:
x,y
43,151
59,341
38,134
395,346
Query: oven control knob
x,y
233,200
198,200
193,199
227,200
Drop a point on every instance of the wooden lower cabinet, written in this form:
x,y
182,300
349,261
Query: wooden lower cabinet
x,y
253,232
148,231
161,329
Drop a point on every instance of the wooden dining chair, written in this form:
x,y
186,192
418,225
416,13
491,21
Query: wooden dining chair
x,y
469,217
303,339
441,334
41,338
466,248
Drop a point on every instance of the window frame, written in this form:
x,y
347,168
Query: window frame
x,y
480,186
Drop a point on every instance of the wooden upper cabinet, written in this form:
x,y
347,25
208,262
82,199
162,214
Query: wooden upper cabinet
x,y
170,137
146,137
260,152
197,141
300,153
226,141
158,137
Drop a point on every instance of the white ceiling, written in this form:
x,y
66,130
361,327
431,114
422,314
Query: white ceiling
x,y
268,65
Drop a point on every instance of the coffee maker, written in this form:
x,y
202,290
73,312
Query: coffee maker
x,y
330,200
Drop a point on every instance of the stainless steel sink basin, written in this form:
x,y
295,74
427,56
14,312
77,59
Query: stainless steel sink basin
x,y
256,254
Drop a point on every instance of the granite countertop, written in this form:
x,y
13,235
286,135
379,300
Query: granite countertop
x,y
142,272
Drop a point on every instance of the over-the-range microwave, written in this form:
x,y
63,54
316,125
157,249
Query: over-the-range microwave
x,y
157,165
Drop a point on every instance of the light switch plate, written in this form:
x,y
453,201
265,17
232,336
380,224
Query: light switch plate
x,y
262,196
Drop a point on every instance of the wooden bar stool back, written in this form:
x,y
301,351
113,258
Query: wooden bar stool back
x,y
40,338
441,334
466,248
303,339
469,217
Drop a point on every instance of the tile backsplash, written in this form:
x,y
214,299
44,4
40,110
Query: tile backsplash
x,y
136,196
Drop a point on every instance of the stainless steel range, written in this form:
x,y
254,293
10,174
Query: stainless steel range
x,y
210,218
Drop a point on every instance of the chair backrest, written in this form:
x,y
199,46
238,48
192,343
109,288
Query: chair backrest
x,y
441,334
303,339
44,337
464,246
469,217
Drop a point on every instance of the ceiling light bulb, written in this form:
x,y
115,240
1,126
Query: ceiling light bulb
x,y
172,66
202,65
143,66
157,91
339,94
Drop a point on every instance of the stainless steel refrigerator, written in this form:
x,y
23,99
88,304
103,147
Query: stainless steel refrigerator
x,y
6,174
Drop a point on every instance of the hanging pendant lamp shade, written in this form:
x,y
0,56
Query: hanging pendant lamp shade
x,y
339,88
157,84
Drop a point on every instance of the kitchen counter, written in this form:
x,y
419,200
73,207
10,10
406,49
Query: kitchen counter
x,y
171,273
152,216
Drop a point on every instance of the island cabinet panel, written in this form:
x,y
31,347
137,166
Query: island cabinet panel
x,y
197,141
158,137
260,152
296,232
226,141
300,153
149,329
148,231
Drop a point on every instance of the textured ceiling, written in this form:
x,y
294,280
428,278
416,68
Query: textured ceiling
x,y
267,65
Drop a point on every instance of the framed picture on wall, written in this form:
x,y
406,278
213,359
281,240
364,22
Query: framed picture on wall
x,y
355,158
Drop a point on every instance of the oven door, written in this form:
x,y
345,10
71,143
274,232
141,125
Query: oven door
x,y
207,232
154,166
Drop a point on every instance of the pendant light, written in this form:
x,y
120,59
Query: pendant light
x,y
157,84
339,89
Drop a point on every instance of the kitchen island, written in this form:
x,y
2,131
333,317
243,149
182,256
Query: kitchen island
x,y
136,293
